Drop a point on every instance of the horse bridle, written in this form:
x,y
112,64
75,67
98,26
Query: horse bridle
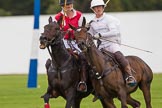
x,y
88,43
53,41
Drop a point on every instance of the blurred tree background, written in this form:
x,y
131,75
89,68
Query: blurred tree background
x,y
25,7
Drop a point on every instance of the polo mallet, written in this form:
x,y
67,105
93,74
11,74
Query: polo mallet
x,y
107,2
64,13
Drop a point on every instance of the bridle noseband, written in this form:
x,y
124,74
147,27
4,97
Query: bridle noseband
x,y
88,42
53,41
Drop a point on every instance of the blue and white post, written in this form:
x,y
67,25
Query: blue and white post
x,y
32,76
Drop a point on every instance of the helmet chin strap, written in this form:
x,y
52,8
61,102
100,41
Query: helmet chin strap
x,y
96,13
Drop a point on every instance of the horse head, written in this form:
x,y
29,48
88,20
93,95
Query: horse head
x,y
83,38
52,34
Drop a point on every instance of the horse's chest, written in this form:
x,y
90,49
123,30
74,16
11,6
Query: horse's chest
x,y
63,78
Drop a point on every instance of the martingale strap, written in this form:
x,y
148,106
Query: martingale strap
x,y
104,73
53,60
109,70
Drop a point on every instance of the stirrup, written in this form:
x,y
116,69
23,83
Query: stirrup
x,y
80,83
132,82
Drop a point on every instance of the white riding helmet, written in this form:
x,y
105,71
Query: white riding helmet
x,y
97,3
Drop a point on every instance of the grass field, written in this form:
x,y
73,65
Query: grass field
x,y
15,94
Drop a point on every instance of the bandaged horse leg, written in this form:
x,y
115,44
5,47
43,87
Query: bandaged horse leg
x,y
130,80
83,75
46,100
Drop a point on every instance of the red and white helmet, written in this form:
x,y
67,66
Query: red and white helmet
x,y
97,3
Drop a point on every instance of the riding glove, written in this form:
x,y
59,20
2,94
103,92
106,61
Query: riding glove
x,y
97,35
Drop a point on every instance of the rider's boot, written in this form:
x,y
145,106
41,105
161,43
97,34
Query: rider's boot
x,y
82,86
130,80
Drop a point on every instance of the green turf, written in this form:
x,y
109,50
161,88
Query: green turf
x,y
15,94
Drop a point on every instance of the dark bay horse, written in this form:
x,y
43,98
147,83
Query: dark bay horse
x,y
62,70
108,80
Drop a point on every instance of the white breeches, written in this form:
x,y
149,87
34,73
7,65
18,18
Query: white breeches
x,y
112,47
73,44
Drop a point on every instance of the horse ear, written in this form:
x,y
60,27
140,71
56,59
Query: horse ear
x,y
84,22
50,19
72,27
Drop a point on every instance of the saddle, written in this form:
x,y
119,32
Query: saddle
x,y
110,56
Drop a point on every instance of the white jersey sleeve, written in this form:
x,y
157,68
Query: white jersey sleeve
x,y
107,26
113,26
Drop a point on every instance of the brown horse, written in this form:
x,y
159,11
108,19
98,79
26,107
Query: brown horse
x,y
108,80
63,70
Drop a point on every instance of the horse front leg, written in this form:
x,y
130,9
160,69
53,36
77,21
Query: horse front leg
x,y
122,95
134,103
106,99
77,102
70,98
51,93
108,103
46,100
46,97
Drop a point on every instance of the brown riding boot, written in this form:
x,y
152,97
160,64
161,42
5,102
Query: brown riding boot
x,y
82,84
130,80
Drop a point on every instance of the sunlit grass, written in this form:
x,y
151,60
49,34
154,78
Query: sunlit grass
x,y
15,94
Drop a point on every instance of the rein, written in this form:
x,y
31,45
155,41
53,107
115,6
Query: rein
x,y
53,60
89,43
98,75
53,41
